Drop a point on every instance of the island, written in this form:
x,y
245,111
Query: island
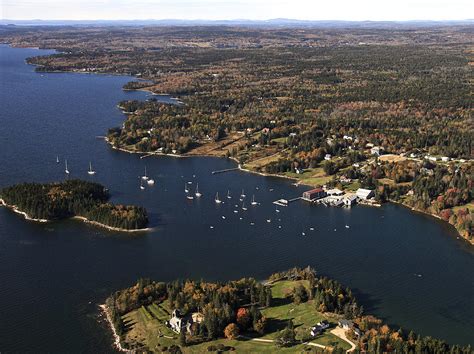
x,y
293,311
73,198
345,107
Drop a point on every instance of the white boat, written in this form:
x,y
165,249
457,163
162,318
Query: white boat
x,y
303,233
347,226
311,228
211,227
145,177
242,195
142,187
243,206
253,200
236,211
66,170
197,194
91,171
269,220
223,217
190,197
151,181
186,189
217,200
228,195
57,159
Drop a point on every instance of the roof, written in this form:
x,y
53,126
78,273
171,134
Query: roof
x,y
315,190
350,196
362,191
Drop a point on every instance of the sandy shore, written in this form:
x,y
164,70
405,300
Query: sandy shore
x,y
117,342
111,228
18,211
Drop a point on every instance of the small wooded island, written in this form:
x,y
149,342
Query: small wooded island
x,y
73,199
293,311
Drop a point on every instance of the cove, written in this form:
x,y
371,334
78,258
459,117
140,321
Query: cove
x,y
53,276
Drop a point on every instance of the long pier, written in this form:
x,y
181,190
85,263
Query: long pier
x,y
226,170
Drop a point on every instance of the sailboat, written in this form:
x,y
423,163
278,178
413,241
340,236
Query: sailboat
x,y
253,200
150,181
91,171
243,206
217,200
228,195
190,197
66,170
141,185
197,194
243,194
145,177
186,189
57,159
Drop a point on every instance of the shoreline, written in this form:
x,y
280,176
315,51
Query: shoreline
x,y
15,209
471,242
117,342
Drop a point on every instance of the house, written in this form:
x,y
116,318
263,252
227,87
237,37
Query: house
x,y
315,331
179,322
313,194
323,324
365,194
319,328
334,191
327,157
445,158
349,199
345,179
377,150
345,324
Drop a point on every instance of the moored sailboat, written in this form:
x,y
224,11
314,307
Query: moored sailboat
x,y
91,171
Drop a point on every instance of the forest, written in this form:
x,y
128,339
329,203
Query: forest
x,y
54,201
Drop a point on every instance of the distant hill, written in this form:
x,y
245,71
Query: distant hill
x,y
277,22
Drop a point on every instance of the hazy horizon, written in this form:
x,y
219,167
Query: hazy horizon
x,y
235,10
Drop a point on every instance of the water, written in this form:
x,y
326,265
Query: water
x,y
53,276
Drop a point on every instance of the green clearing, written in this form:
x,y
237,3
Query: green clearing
x,y
146,325
312,176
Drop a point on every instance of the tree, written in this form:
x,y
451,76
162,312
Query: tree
x,y
231,331
287,337
182,338
243,318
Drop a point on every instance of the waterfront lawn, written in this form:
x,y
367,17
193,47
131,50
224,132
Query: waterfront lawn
x,y
146,325
312,176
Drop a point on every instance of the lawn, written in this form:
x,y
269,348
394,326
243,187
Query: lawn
x,y
147,325
312,176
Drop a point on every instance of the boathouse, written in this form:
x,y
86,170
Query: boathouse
x,y
314,194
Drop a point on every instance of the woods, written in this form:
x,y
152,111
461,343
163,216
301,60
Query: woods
x,y
54,201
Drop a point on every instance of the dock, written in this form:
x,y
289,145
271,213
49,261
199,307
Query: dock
x,y
223,171
285,202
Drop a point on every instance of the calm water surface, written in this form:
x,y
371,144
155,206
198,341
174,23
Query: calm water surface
x,y
407,268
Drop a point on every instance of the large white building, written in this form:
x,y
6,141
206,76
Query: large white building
x,y
365,194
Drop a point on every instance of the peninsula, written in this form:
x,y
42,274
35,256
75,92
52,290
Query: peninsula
x,y
293,311
79,199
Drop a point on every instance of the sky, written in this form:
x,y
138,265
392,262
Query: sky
x,y
354,10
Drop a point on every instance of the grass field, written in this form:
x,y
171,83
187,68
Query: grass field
x,y
146,326
311,176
